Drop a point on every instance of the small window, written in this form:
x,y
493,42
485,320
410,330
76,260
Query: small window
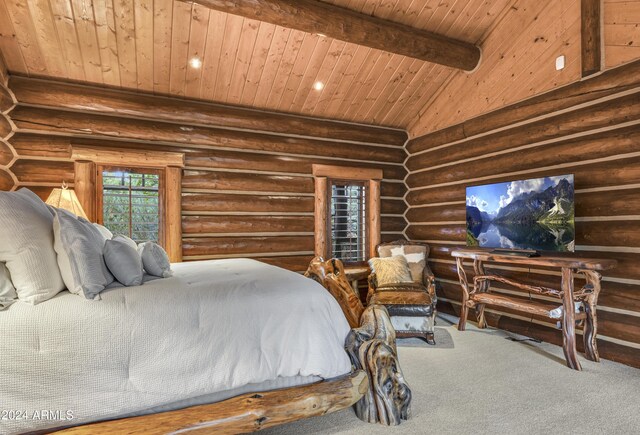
x,y
348,221
130,203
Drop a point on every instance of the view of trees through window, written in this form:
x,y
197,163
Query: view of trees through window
x,y
130,204
348,232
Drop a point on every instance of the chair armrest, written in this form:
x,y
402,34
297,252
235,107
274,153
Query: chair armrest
x,y
373,285
429,280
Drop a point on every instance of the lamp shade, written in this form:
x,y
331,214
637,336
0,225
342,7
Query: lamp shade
x,y
66,199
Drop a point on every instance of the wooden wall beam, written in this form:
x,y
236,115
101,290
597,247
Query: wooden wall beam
x,y
320,213
173,213
128,104
591,37
102,126
85,187
374,216
347,172
313,16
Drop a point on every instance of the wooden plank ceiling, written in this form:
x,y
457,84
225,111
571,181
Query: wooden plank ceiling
x,y
147,45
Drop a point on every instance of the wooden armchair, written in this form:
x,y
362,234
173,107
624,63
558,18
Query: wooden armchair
x,y
411,305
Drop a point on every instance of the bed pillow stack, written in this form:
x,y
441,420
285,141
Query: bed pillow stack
x,y
45,249
26,232
79,245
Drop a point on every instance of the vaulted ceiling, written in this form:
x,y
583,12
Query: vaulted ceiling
x,y
147,45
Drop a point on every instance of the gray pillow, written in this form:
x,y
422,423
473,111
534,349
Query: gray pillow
x,y
26,246
8,293
123,261
79,246
155,259
129,241
104,231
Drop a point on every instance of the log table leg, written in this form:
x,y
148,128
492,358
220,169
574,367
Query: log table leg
x,y
568,320
464,309
591,322
478,268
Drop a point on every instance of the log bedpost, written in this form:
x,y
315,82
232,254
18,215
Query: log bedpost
x,y
371,345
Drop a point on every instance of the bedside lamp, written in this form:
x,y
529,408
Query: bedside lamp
x,y
66,199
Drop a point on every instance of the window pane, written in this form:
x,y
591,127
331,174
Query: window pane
x,y
348,231
130,204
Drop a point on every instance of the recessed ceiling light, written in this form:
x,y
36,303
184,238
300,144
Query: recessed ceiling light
x,y
318,86
195,62
559,63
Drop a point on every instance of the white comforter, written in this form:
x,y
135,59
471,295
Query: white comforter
x,y
214,326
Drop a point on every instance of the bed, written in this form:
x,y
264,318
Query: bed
x,y
215,330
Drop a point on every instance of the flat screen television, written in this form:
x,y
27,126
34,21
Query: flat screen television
x,y
535,214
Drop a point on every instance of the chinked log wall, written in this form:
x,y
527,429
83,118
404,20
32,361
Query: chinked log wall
x,y
591,129
247,185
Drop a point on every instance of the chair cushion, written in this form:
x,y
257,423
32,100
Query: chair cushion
x,y
404,303
402,287
390,270
416,256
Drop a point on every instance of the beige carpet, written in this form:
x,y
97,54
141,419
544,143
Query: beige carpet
x,y
480,382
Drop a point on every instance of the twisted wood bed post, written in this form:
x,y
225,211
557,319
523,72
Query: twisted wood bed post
x,y
371,345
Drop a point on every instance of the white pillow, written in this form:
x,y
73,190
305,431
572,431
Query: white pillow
x,y
79,245
8,293
123,261
26,246
108,235
155,259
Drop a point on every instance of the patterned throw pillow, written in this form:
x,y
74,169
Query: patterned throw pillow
x,y
416,258
390,270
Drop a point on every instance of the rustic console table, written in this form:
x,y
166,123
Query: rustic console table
x,y
479,295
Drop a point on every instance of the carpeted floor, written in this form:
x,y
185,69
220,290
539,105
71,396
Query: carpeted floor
x,y
480,382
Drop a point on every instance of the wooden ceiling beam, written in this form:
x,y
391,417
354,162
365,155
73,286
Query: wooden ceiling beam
x,y
591,37
313,16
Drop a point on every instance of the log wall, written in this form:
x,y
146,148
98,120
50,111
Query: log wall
x,y
247,188
590,129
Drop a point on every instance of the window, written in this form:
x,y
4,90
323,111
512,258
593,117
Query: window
x,y
348,221
131,203
142,190
347,212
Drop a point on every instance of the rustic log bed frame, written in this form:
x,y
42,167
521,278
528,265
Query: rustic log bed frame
x,y
375,387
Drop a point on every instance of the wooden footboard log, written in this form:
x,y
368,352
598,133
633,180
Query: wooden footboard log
x,y
371,347
241,414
